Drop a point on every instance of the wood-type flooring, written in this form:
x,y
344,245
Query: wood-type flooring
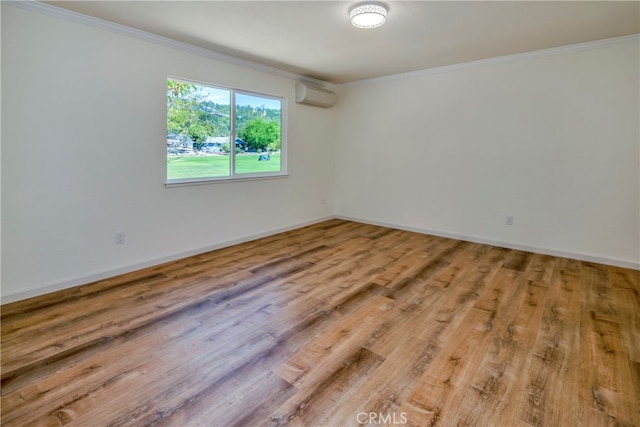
x,y
334,324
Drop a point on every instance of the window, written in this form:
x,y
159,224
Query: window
x,y
209,140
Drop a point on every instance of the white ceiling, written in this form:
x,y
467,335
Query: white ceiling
x,y
315,39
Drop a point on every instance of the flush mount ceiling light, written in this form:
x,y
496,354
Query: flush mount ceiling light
x,y
368,15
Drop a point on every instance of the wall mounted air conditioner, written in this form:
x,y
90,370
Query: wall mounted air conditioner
x,y
315,96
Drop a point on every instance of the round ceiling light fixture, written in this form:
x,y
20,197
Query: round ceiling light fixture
x,y
368,15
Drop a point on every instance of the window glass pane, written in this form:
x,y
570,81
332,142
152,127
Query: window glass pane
x,y
198,131
258,133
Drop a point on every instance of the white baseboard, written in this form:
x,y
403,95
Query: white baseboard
x,y
89,278
70,282
509,245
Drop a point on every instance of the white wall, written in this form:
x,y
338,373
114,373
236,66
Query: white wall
x,y
83,156
551,140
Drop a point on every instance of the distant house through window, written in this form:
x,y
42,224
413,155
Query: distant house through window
x,y
209,140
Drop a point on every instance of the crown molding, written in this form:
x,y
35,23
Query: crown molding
x,y
76,17
79,18
498,60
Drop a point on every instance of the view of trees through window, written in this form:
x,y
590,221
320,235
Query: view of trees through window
x,y
207,139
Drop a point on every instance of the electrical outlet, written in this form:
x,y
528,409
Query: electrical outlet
x,y
120,238
509,220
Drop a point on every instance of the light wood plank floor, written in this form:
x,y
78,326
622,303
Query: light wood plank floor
x,y
335,324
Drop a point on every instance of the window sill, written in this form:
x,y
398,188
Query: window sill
x,y
202,181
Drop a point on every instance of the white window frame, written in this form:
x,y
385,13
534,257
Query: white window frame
x,y
233,176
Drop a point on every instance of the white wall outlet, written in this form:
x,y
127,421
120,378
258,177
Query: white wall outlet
x,y
509,220
120,238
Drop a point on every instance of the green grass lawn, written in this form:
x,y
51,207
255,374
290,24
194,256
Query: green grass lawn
x,y
218,166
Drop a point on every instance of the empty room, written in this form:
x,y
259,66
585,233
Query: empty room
x,y
320,213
